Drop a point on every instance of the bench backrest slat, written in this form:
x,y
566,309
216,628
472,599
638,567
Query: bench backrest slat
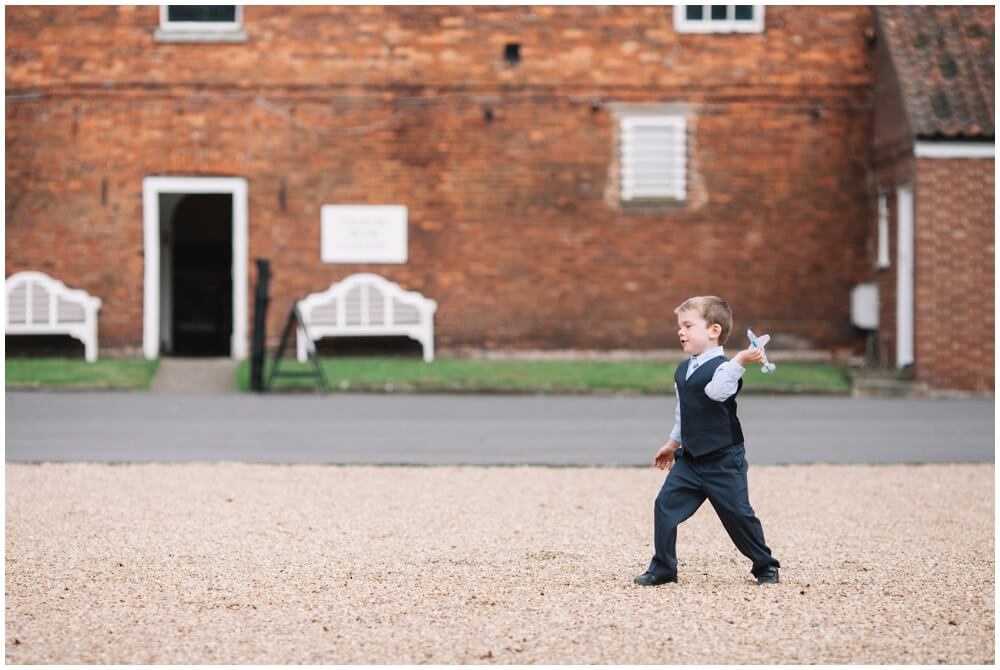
x,y
325,314
36,299
353,306
404,313
38,304
39,312
69,312
376,306
367,304
365,300
364,304
17,304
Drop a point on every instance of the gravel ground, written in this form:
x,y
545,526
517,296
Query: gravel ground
x,y
235,563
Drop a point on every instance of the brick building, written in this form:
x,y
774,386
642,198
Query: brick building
x,y
934,158
570,174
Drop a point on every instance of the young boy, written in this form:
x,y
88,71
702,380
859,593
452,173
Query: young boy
x,y
705,453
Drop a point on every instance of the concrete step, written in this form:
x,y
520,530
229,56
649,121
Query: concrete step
x,y
195,375
879,383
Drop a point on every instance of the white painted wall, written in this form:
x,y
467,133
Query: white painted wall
x,y
955,150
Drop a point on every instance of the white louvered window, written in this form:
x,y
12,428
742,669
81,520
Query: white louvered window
x,y
719,18
653,157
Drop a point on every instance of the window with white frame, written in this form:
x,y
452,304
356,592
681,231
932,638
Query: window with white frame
x,y
719,18
201,23
653,157
883,232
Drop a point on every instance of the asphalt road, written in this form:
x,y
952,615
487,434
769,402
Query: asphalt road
x,y
436,429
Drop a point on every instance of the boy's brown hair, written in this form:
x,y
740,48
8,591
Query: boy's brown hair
x,y
713,309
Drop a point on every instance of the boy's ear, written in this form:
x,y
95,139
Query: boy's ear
x,y
716,329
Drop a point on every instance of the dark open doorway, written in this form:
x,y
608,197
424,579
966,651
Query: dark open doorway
x,y
197,237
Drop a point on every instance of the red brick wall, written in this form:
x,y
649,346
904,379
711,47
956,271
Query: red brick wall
x,y
954,338
892,136
892,153
514,227
953,267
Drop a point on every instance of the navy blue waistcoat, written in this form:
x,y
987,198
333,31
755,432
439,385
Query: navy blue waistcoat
x,y
706,424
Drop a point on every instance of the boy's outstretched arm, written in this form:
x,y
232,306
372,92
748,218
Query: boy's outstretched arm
x,y
727,376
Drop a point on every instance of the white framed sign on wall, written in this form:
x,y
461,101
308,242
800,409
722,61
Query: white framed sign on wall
x,y
363,233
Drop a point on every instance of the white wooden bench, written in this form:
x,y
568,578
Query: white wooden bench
x,y
366,304
37,304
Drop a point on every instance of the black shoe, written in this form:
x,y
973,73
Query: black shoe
x,y
769,576
648,579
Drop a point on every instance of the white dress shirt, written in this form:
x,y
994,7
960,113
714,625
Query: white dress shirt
x,y
725,382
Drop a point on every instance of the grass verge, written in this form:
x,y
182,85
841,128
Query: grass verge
x,y
389,373
77,374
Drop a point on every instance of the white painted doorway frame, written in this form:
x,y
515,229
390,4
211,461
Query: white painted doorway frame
x,y
152,187
905,261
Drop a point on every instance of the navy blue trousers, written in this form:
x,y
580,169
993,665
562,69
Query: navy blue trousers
x,y
721,477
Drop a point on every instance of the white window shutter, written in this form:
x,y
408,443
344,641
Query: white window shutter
x,y
653,157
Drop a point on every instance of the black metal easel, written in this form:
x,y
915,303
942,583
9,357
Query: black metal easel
x,y
317,372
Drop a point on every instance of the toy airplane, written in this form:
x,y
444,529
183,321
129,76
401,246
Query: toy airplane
x,y
760,343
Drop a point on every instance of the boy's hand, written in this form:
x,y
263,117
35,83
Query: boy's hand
x,y
665,456
747,356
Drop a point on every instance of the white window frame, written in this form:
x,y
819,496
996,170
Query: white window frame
x,y
682,24
200,31
883,232
675,189
200,26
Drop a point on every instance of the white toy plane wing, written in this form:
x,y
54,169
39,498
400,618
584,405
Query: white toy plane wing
x,y
760,343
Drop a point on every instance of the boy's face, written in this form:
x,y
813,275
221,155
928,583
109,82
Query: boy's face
x,y
695,334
